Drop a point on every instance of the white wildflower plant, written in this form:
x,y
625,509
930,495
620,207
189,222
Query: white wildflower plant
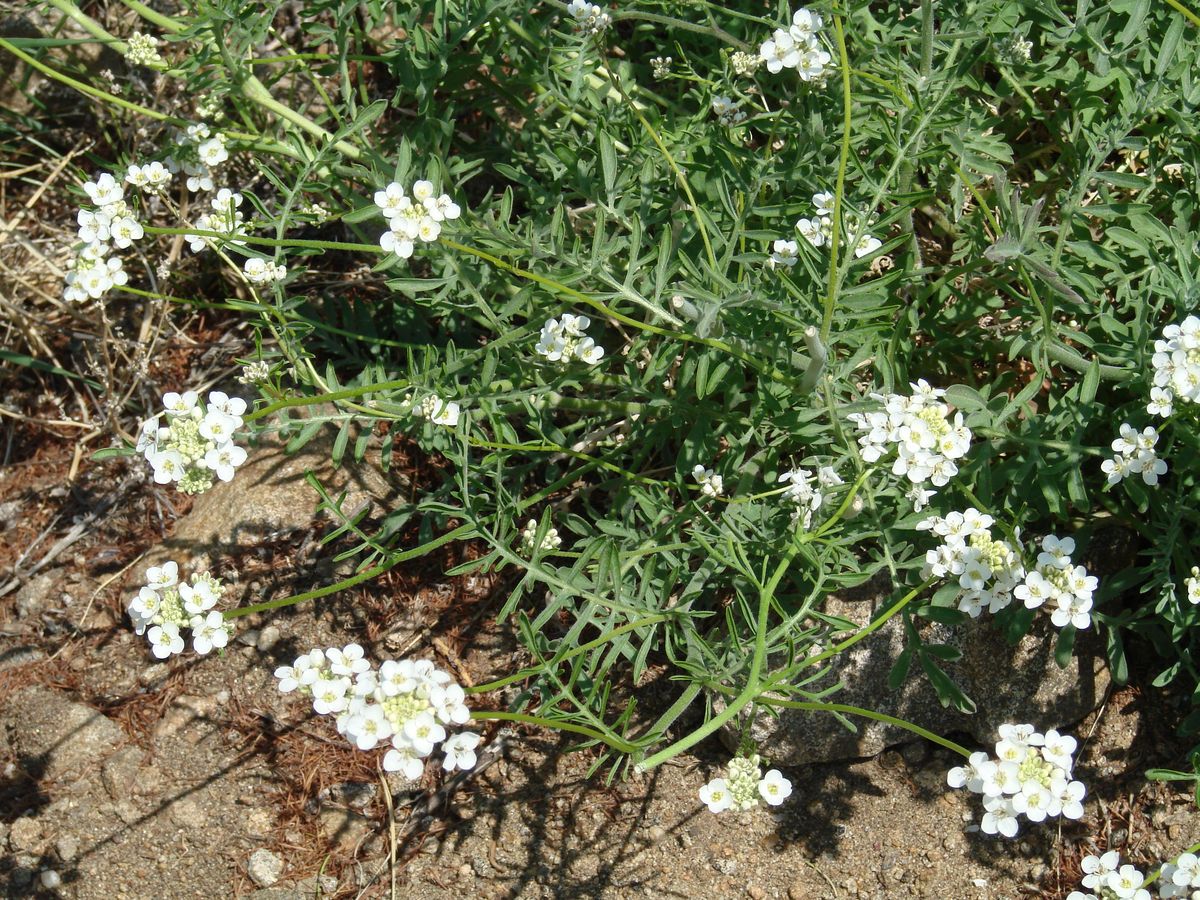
x,y
1029,776
590,19
413,219
192,443
530,546
1134,453
990,572
1179,879
1106,879
744,786
1176,363
563,340
166,608
407,704
921,435
798,47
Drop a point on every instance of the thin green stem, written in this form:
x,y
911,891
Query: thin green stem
x,y
291,402
819,706
866,630
463,532
682,24
486,715
166,23
839,190
1185,12
754,684
582,648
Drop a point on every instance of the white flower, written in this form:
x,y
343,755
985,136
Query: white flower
x,y
812,230
422,733
1192,584
104,190
999,817
159,578
727,111
806,24
563,341
710,485
715,795
781,52
209,632
590,19
1161,402
401,759
1096,869
867,245
329,695
263,271
784,253
439,411
142,49
460,751
165,640
774,788
368,727
153,176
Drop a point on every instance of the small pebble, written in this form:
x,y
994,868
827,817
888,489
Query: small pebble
x,y
50,879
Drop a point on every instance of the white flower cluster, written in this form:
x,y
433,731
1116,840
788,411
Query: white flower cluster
x,y
711,485
529,545
1016,49
415,218
167,605
1030,777
990,571
1055,579
197,442
224,218
926,440
818,230
142,50
436,410
1192,584
590,19
797,47
1176,364
263,271
1180,878
563,340
408,703
744,785
806,493
199,153
783,253
660,67
728,111
109,225
1107,879
1134,454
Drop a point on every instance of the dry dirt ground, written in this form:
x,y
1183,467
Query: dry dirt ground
x,y
123,777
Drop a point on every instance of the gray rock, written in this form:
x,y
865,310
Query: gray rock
x,y
268,638
19,656
264,867
67,848
25,835
120,772
37,593
1008,684
269,497
54,737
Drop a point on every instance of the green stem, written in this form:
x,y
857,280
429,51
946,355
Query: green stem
x,y
553,724
866,630
818,706
166,23
462,531
839,190
754,685
582,648
346,394
682,24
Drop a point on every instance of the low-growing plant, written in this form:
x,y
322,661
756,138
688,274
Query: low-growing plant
x,y
713,313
